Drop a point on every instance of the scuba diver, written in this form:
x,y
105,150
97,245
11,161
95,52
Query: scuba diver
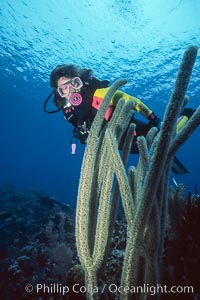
x,y
79,96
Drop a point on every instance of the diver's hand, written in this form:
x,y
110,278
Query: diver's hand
x,y
83,136
82,126
82,132
154,121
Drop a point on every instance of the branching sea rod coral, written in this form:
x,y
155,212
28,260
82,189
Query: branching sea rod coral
x,y
144,191
91,249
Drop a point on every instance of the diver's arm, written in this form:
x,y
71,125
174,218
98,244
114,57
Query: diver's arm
x,y
139,106
80,128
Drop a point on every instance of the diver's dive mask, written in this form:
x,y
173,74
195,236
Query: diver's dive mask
x,y
73,85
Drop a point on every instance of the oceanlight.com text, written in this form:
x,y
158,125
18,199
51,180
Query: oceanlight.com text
x,y
151,289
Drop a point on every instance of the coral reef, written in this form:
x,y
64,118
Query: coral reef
x,y
144,191
181,256
30,252
37,241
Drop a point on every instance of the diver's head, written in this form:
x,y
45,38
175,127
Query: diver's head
x,y
68,79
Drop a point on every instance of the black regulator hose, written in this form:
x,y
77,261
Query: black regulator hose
x,y
45,105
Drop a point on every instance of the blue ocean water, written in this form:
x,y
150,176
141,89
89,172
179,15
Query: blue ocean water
x,y
140,40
